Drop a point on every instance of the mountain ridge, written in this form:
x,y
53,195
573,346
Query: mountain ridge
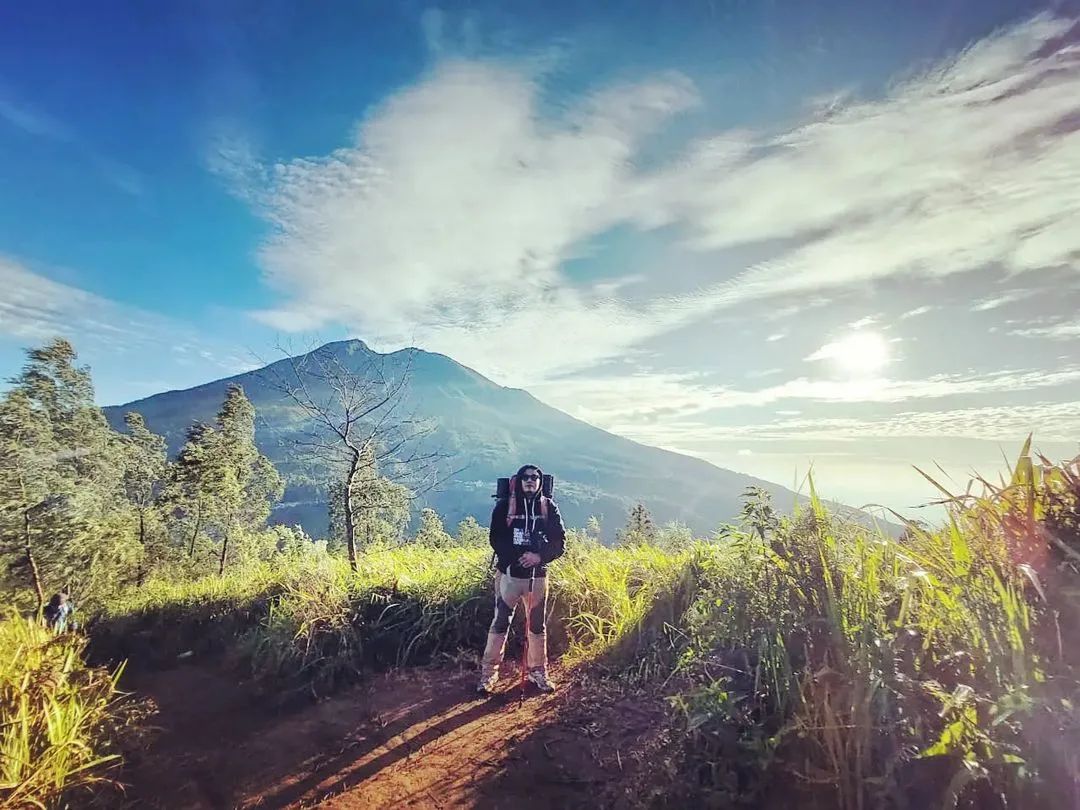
x,y
492,429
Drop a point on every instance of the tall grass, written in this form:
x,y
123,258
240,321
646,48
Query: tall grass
x,y
156,623
851,667
807,656
315,625
58,718
403,605
623,607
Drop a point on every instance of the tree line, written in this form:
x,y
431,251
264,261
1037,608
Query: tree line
x,y
88,509
91,510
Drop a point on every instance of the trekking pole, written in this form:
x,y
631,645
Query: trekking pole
x,y
524,651
525,646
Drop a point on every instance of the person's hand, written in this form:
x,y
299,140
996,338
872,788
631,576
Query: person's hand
x,y
529,559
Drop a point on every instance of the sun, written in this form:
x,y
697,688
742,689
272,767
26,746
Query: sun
x,y
859,354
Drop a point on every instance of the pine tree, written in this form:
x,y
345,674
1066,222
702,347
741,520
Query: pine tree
x,y
431,531
243,481
471,533
379,507
60,480
188,494
145,457
29,475
639,528
593,528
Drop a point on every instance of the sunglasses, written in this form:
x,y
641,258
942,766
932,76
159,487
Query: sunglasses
x,y
530,477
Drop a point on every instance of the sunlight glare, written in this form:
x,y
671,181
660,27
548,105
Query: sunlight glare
x,y
860,354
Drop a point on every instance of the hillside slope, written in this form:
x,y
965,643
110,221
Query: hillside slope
x,y
490,430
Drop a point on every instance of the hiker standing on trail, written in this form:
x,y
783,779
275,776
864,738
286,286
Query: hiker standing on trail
x,y
526,533
58,614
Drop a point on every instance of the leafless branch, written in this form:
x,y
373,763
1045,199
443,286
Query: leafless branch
x,y
356,429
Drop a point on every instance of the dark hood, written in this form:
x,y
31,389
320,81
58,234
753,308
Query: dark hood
x,y
518,491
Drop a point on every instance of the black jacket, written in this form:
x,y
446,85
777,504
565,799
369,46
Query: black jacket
x,y
529,532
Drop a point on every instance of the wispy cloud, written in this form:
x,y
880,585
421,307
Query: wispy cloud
x,y
448,220
32,122
35,308
644,397
858,352
630,403
974,165
446,32
886,390
39,124
998,301
1050,422
915,313
1058,331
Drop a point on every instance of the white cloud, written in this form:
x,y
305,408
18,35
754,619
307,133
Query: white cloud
x,y
915,313
998,301
456,190
634,403
431,24
35,309
859,353
1048,421
1058,331
644,397
447,220
757,374
886,390
974,165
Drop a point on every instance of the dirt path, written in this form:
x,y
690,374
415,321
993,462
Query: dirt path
x,y
418,738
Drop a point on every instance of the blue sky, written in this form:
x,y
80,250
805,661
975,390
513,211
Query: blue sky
x,y
768,234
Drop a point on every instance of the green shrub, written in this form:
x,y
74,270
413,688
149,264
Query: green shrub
x,y
58,718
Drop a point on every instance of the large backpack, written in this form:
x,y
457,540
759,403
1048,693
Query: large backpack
x,y
505,486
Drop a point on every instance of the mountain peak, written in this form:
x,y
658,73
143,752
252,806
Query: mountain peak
x,y
349,346
488,430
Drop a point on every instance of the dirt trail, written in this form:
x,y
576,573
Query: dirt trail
x,y
417,738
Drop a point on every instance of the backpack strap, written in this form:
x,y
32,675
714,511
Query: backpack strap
x,y
511,510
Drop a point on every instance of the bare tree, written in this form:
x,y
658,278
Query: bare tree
x,y
356,430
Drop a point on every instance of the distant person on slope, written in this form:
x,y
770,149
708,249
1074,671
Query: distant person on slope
x,y
59,613
526,533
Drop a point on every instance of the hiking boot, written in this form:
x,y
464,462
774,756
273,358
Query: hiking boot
x,y
540,680
486,686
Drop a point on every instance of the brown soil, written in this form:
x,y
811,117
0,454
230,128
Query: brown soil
x,y
417,738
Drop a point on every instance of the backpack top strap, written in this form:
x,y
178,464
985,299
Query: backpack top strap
x,y
511,511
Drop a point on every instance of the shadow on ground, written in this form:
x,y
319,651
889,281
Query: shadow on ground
x,y
415,738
